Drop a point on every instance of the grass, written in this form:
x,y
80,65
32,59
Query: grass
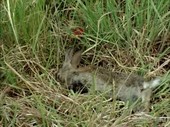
x,y
127,36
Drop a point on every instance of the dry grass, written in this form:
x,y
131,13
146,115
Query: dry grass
x,y
33,42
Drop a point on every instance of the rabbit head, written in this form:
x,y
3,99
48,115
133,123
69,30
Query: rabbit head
x,y
69,66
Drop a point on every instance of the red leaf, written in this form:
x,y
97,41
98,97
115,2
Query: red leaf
x,y
78,31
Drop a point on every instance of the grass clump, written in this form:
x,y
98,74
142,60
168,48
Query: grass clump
x,y
125,36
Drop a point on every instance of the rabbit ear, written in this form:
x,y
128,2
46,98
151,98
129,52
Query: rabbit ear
x,y
68,55
76,59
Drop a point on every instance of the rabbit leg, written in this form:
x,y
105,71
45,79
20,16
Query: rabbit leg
x,y
146,96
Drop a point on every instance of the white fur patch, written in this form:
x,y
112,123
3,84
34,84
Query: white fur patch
x,y
151,84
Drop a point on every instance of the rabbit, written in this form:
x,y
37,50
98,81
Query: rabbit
x,y
126,87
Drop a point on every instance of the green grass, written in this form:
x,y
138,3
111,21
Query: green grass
x,y
127,36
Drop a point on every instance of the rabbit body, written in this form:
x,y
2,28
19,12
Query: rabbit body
x,y
126,87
